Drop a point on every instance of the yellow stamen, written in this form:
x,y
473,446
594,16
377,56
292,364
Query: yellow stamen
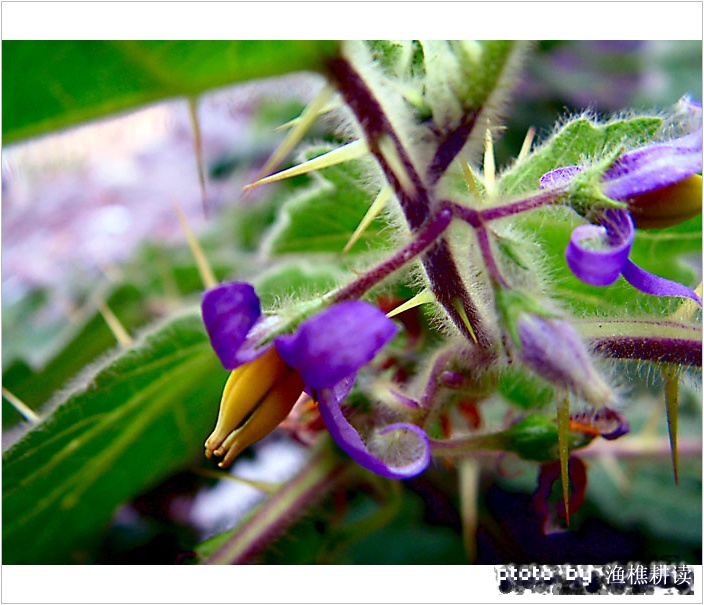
x,y
377,205
270,413
426,296
299,129
244,390
256,399
351,151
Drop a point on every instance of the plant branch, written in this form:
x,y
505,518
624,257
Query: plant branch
x,y
274,515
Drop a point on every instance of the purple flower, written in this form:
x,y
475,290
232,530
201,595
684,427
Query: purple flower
x,y
602,266
659,182
326,351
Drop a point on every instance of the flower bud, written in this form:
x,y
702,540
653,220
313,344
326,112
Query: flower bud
x,y
553,350
257,398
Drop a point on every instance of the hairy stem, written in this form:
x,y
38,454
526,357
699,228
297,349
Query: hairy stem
x,y
422,240
275,514
412,194
646,340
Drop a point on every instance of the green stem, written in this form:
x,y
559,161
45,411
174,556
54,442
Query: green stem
x,y
324,470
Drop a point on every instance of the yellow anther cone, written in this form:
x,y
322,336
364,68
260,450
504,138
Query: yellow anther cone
x,y
668,206
256,399
268,415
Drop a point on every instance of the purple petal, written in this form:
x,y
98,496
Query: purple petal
x,y
654,167
601,263
610,423
559,176
229,313
415,442
657,286
336,343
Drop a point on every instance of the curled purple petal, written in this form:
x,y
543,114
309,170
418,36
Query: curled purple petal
x,y
405,447
597,254
229,313
657,286
336,343
611,424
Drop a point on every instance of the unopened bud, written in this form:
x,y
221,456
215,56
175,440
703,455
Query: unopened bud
x,y
553,350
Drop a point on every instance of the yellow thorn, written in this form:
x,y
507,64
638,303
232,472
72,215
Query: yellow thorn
x,y
563,426
459,307
377,205
469,472
294,136
198,145
527,142
471,180
114,324
350,151
267,487
390,153
321,112
206,273
22,408
422,298
672,397
489,165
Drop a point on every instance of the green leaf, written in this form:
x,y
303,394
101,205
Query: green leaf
x,y
577,141
322,218
296,281
54,84
136,420
80,344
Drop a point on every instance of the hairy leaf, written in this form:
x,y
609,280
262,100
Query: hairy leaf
x,y
135,421
323,217
51,84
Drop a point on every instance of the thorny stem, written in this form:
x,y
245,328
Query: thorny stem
x,y
646,340
412,194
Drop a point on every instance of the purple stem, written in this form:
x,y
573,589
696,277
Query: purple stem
x,y
422,240
491,266
434,379
544,198
443,275
681,351
451,145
